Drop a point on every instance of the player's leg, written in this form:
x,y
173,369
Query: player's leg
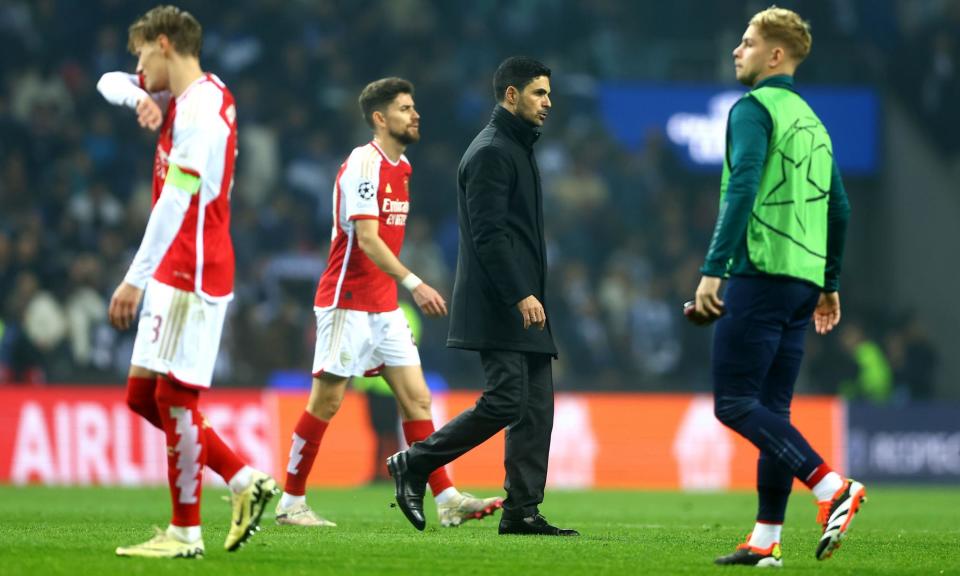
x,y
399,361
497,407
761,313
141,392
774,482
838,498
501,404
181,421
398,354
147,365
194,359
147,361
413,398
326,395
150,357
383,417
746,342
341,338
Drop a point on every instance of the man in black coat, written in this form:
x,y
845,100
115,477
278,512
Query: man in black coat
x,y
497,308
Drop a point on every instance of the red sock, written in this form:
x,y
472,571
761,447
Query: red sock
x,y
182,422
141,398
415,431
817,475
220,458
303,451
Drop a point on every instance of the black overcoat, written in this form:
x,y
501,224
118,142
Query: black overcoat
x,y
502,257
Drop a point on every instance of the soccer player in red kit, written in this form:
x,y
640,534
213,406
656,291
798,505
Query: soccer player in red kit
x,y
360,328
183,271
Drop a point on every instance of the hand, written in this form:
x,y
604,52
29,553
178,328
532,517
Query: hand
x,y
708,302
429,300
533,313
123,305
826,315
149,114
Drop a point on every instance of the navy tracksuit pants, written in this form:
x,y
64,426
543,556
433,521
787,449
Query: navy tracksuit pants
x,y
757,349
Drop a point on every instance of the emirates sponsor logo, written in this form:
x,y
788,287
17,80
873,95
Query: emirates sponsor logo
x,y
397,210
395,206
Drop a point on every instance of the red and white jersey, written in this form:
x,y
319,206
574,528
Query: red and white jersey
x,y
368,185
199,135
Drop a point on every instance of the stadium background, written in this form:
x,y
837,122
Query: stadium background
x,y
630,207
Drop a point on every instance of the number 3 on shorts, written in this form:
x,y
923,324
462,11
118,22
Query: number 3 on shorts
x,y
157,321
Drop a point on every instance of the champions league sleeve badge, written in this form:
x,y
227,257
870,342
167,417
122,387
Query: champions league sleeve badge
x,y
366,190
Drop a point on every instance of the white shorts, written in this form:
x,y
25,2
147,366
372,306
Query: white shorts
x,y
178,334
356,343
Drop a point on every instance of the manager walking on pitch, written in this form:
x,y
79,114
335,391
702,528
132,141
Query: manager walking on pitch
x,y
498,308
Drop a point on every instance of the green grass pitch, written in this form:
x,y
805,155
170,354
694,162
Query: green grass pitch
x,y
75,531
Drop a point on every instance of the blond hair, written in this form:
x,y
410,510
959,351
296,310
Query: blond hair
x,y
179,26
785,27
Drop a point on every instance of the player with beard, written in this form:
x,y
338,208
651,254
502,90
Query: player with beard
x,y
360,327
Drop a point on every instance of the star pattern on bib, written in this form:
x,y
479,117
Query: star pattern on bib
x,y
814,143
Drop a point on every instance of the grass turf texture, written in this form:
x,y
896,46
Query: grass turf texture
x,y
75,531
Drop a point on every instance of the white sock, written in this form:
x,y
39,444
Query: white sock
x,y
241,479
184,533
765,535
827,487
446,495
289,500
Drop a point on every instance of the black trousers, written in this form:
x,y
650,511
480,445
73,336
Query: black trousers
x,y
518,395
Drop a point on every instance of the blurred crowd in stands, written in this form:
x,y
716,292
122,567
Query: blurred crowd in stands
x,y
627,230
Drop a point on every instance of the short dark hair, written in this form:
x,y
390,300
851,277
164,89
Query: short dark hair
x,y
516,71
377,95
183,30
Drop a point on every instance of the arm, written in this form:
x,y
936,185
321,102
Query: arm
x,y
164,223
838,214
369,241
826,316
488,184
748,135
162,227
122,89
489,181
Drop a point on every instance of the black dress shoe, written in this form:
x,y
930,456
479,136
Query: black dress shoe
x,y
536,525
410,490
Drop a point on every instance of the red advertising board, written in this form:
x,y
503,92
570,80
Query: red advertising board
x,y
69,436
72,435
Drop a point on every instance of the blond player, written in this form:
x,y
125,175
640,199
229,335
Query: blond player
x,y
183,271
360,328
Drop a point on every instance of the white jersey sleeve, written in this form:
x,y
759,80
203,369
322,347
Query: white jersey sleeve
x,y
359,184
197,129
162,227
123,89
